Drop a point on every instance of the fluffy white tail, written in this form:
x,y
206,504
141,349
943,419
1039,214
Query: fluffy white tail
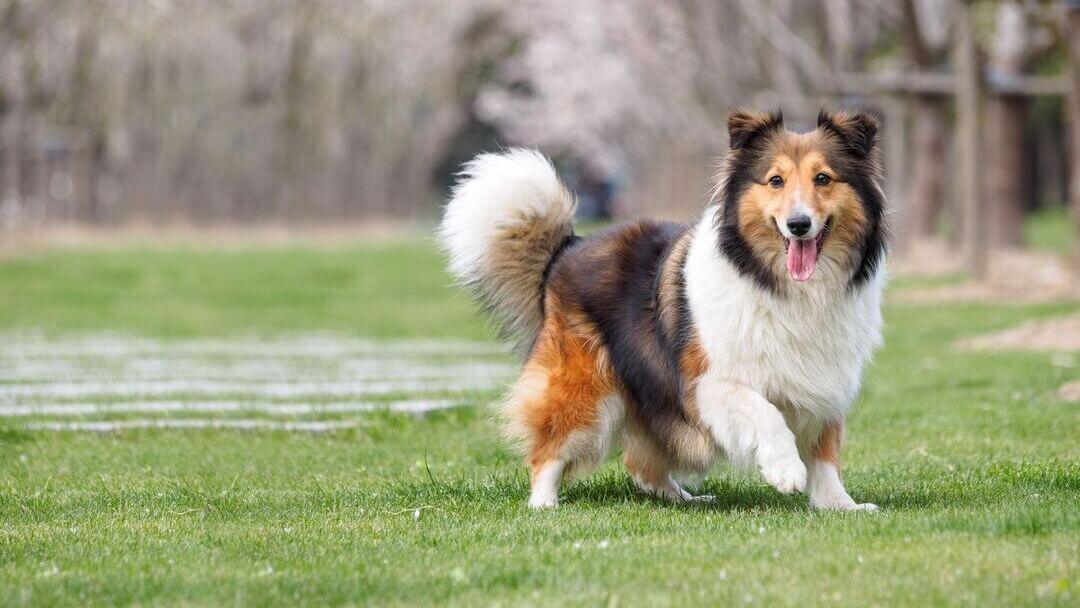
x,y
508,215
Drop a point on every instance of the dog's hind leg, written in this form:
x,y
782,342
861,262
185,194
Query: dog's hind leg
x,y
560,452
545,480
565,408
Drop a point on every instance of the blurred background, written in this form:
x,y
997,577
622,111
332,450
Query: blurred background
x,y
216,219
308,113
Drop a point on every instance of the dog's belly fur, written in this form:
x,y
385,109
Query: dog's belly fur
x,y
665,307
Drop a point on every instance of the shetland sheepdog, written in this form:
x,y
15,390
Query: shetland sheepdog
x,y
743,334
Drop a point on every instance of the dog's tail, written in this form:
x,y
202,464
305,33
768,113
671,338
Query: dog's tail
x,y
507,217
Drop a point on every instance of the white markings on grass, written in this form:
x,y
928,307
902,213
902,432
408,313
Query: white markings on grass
x,y
106,375
188,368
210,388
30,344
413,406
107,426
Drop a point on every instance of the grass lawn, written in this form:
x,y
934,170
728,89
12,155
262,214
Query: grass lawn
x,y
1050,230
975,464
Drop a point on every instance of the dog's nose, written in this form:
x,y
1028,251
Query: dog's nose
x,y
799,224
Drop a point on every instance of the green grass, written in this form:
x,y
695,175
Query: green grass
x,y
389,290
976,467
1050,230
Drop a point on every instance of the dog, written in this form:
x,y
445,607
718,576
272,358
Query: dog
x,y
743,334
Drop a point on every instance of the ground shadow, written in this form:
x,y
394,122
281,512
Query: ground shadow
x,y
728,494
738,493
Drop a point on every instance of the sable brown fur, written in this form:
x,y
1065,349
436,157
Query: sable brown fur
x,y
828,444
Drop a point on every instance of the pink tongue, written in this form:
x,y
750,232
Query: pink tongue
x,y
802,259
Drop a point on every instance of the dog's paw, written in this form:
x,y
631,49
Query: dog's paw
x,y
866,506
841,504
852,506
543,500
786,474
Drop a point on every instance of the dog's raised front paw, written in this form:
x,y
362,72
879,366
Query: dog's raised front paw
x,y
787,475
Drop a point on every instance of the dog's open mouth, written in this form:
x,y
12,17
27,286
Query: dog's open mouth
x,y
802,254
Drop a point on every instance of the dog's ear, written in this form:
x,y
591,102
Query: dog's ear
x,y
746,125
856,128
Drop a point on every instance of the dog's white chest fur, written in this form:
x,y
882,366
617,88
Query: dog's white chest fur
x,y
804,352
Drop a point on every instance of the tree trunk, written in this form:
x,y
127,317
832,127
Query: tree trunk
x,y
968,144
840,26
1006,118
1006,121
926,198
926,39
1073,41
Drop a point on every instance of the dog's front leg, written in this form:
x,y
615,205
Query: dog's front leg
x,y
751,431
826,488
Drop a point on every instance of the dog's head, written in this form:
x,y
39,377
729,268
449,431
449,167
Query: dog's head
x,y
802,207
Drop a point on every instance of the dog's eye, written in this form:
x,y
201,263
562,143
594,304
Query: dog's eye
x,y
822,180
776,181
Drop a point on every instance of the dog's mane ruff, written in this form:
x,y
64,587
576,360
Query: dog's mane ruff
x,y
719,182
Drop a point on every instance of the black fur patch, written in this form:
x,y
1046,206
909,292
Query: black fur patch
x,y
744,165
875,241
567,242
858,130
857,162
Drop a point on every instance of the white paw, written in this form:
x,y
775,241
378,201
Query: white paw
x,y
842,505
543,502
787,475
